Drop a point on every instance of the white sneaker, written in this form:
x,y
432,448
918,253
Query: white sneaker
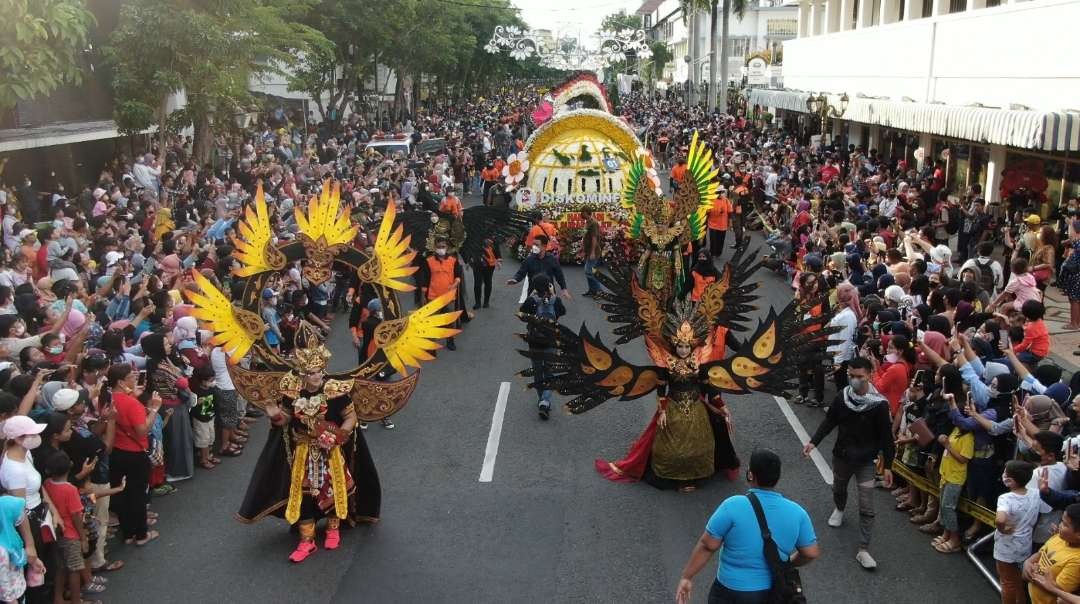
x,y
836,518
865,560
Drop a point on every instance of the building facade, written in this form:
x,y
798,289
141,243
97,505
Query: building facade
x,y
763,28
986,88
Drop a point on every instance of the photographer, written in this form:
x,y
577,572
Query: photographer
x,y
542,302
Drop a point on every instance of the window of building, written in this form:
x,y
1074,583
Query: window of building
x,y
965,165
957,6
927,8
740,47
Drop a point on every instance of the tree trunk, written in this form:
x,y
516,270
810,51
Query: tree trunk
x,y
713,13
725,49
203,139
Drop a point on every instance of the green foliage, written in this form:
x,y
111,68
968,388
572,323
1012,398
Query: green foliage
x,y
208,49
619,21
661,56
40,42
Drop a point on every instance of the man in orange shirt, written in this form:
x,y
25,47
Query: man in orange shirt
x,y
542,227
718,219
678,173
439,273
451,204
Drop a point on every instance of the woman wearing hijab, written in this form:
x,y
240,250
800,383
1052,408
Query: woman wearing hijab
x,y
165,378
185,339
17,544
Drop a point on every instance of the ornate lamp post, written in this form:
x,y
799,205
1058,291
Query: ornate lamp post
x,y
820,106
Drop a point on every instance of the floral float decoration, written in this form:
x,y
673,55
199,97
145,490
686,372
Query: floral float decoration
x,y
514,170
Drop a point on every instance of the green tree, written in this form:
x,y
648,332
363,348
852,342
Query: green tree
x,y
42,40
620,21
661,56
209,49
717,93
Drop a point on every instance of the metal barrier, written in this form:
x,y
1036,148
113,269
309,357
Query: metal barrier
x,y
967,506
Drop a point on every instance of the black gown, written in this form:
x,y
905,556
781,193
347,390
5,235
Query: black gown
x,y
268,491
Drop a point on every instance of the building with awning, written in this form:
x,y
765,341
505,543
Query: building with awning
x,y
980,86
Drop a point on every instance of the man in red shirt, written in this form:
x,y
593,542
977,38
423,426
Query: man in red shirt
x,y
829,171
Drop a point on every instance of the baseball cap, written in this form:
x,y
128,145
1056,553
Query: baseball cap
x,y
1033,219
64,399
113,257
98,193
21,425
268,293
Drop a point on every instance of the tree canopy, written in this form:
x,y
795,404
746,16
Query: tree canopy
x,y
42,41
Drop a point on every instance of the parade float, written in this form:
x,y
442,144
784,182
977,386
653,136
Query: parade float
x,y
578,157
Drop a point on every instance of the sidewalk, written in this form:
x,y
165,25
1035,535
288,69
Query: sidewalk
x,y
1062,343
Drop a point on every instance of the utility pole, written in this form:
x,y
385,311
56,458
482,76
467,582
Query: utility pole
x,y
692,74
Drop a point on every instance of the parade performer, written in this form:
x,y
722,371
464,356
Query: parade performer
x,y
315,463
688,438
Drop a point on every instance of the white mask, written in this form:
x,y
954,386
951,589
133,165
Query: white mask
x,y
536,249
892,357
31,441
440,251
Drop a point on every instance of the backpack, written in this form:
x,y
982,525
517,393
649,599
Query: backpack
x,y
986,275
953,226
545,310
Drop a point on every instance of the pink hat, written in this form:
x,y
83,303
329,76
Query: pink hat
x,y
21,425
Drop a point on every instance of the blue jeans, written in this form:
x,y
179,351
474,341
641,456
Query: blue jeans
x,y
719,594
590,276
540,375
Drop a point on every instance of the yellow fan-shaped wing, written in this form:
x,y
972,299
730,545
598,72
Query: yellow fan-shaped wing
x,y
235,330
326,219
254,241
408,341
391,259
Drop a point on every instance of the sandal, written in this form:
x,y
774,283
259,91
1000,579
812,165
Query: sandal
x,y
93,588
231,451
206,465
938,540
948,547
109,567
215,460
904,506
150,536
150,514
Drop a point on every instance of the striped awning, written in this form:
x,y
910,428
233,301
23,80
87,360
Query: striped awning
x,y
1026,129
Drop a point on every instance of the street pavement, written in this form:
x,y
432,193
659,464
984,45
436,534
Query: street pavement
x,y
545,528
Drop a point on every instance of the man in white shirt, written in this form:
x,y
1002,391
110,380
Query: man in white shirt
x,y
889,203
771,180
146,172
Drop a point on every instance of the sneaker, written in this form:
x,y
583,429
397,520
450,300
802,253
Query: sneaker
x,y
798,399
815,403
387,423
363,425
836,518
302,551
545,410
865,560
476,307
450,345
487,305
333,539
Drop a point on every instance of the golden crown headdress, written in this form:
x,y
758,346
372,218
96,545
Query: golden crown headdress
x,y
309,353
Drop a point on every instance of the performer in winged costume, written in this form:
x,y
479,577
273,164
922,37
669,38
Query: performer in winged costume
x,y
688,438
315,463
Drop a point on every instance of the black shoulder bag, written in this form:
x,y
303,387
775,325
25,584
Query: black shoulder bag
x,y
786,582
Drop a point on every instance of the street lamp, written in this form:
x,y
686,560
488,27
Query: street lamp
x,y
819,105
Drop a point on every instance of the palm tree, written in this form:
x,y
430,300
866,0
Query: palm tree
x,y
717,94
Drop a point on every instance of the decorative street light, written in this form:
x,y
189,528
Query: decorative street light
x,y
820,106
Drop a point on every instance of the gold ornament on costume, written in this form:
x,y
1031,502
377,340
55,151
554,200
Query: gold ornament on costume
x,y
254,240
310,355
324,231
235,329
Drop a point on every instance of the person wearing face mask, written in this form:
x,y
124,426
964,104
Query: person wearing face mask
x,y
860,414
19,478
13,335
892,375
540,262
701,275
440,273
542,302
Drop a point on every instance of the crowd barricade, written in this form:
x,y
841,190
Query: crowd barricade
x,y
966,506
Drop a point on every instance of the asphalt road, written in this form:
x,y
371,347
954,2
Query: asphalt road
x,y
546,528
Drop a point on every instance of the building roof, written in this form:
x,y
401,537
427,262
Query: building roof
x,y
648,6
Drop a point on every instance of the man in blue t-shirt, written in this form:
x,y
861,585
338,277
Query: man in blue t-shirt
x,y
743,575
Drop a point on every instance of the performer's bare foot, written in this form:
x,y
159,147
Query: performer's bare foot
x,y
302,551
333,539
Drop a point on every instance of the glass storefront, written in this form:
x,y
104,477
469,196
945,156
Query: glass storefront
x,y
1055,176
966,163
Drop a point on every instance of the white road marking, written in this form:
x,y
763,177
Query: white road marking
x,y
524,290
815,455
492,449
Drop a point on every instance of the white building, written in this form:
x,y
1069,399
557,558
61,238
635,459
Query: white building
x,y
764,27
992,81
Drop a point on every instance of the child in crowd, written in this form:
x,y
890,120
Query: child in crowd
x,y
958,446
202,415
73,540
1017,513
270,318
1036,343
1054,571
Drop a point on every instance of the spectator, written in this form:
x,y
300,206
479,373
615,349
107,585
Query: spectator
x,y
744,575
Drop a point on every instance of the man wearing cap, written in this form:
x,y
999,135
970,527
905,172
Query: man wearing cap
x,y
718,221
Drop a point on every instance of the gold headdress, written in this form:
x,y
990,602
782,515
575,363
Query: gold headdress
x,y
310,354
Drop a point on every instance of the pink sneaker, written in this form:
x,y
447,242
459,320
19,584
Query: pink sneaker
x,y
333,539
302,551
